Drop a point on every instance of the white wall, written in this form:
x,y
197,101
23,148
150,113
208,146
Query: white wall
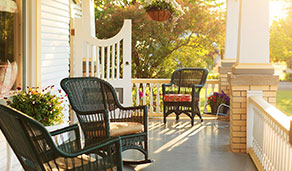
x,y
55,47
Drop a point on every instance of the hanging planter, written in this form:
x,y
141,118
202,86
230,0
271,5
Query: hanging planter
x,y
162,10
159,15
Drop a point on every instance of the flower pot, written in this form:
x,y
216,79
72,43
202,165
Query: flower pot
x,y
159,15
222,110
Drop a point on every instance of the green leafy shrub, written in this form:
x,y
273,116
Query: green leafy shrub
x,y
172,6
213,76
40,105
288,77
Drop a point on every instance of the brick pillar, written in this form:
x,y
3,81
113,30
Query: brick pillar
x,y
239,85
224,69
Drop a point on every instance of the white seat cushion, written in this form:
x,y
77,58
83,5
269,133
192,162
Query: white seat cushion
x,y
125,128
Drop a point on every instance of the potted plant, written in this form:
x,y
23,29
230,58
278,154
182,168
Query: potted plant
x,y
161,10
41,105
215,100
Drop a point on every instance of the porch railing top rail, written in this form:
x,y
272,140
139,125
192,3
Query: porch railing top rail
x,y
165,80
279,118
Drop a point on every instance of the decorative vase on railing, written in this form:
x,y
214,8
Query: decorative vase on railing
x,y
8,74
215,100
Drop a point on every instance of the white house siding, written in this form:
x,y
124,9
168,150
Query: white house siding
x,y
55,45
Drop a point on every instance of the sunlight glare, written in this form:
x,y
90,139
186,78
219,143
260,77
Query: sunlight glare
x,y
195,129
277,10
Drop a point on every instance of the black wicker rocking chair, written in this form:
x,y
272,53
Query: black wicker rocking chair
x,y
88,95
182,95
36,150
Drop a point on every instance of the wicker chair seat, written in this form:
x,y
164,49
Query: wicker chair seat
x,y
125,128
178,98
63,164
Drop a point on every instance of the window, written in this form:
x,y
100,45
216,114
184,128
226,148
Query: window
x,y
10,46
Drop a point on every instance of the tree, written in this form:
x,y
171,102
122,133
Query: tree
x,y
158,48
281,39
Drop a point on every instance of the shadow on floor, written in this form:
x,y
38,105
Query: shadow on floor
x,y
177,146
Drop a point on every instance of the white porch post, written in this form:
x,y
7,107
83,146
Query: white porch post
x,y
252,70
232,21
253,38
88,16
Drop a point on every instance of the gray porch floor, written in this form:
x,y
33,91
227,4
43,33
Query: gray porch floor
x,y
177,146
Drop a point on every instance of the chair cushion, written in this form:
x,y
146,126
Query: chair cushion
x,y
75,162
177,98
125,128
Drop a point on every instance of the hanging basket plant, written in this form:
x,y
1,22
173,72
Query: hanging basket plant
x,y
159,15
162,10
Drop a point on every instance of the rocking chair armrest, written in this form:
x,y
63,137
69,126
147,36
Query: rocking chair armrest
x,y
167,85
164,87
134,107
74,127
69,143
197,88
93,148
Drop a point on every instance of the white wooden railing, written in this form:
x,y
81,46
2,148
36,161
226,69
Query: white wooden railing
x,y
151,92
268,132
109,59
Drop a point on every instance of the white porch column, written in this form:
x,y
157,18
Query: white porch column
x,y
253,38
88,16
252,70
232,21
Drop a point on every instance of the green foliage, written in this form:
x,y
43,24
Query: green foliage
x,y
284,100
159,5
287,77
213,76
281,39
41,105
158,48
7,36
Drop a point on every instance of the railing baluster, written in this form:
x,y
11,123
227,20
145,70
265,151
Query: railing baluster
x,y
102,62
108,62
151,97
93,56
144,93
206,98
87,59
118,60
113,60
137,94
97,62
158,98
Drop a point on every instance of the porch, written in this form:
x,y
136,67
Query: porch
x,y
178,146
